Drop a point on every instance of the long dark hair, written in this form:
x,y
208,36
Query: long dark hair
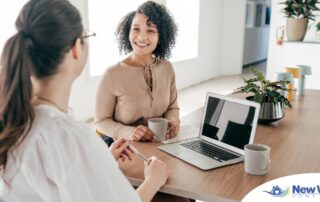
x,y
160,16
47,29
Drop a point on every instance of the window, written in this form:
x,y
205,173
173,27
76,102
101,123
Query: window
x,y
268,14
9,11
188,25
257,14
258,17
104,20
250,14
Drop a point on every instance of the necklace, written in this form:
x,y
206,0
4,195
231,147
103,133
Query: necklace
x,y
51,102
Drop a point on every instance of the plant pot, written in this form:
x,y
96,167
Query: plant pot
x,y
318,35
270,112
296,28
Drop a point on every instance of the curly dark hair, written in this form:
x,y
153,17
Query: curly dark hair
x,y
160,16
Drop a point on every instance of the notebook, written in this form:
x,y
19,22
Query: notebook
x,y
227,125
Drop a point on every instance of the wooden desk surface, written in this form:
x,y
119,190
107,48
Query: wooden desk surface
x,y
295,149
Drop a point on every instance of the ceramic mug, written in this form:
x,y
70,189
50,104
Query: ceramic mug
x,y
256,159
159,127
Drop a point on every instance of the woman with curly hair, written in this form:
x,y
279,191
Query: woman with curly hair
x,y
142,86
45,154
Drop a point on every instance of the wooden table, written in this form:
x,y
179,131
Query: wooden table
x,y
295,148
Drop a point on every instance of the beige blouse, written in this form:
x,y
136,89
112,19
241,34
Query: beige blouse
x,y
125,98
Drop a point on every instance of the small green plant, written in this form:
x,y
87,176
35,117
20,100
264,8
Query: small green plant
x,y
264,90
300,8
318,27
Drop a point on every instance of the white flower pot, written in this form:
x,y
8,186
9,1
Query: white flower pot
x,y
318,35
296,28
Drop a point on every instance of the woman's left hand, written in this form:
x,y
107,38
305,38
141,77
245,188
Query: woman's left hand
x,y
119,149
172,130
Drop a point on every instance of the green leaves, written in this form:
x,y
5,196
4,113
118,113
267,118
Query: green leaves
x,y
318,26
264,90
300,8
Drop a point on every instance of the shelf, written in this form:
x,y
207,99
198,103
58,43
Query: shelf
x,y
307,42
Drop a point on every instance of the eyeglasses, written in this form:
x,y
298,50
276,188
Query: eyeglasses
x,y
88,33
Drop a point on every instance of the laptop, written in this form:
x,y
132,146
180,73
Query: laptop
x,y
227,125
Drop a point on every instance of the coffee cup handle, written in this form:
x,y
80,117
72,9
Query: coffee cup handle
x,y
267,162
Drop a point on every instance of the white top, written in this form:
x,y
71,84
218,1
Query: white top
x,y
64,160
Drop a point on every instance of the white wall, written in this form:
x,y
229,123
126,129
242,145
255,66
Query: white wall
x,y
221,35
291,54
256,37
256,44
206,65
233,30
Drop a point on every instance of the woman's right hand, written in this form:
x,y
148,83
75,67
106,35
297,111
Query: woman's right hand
x,y
156,172
142,133
119,149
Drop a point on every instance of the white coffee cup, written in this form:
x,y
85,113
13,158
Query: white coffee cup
x,y
159,127
256,159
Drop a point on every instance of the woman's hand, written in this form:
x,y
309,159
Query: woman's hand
x,y
172,130
119,149
142,133
155,174
156,171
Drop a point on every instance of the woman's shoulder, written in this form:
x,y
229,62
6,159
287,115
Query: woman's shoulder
x,y
50,117
52,126
60,153
119,66
163,61
165,65
52,132
117,69
112,68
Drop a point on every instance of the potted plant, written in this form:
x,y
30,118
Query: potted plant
x,y
318,30
267,94
298,13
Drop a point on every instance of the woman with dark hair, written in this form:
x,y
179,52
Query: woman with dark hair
x,y
142,86
45,154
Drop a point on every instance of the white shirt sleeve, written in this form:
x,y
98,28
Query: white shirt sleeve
x,y
63,160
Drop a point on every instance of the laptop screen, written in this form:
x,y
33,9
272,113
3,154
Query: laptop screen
x,y
228,121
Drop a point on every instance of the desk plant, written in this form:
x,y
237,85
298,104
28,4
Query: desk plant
x,y
298,13
267,94
318,27
318,30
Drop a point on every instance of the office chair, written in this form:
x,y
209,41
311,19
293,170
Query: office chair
x,y
108,140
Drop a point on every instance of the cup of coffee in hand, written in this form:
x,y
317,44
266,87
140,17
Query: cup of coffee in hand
x,y
159,127
256,159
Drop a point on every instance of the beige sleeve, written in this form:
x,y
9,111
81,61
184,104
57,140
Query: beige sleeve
x,y
104,110
172,112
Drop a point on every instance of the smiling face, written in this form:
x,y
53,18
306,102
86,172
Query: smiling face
x,y
143,37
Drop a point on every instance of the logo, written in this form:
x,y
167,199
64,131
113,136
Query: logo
x,y
276,191
294,188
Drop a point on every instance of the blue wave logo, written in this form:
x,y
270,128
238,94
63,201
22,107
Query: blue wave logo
x,y
276,191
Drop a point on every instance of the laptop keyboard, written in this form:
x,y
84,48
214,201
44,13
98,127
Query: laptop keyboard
x,y
209,150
